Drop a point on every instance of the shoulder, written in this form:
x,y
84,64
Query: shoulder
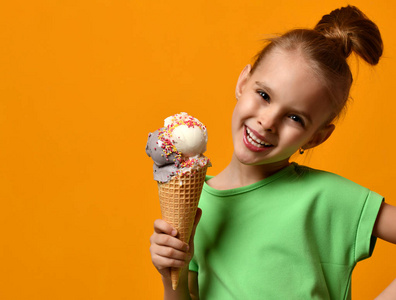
x,y
342,191
338,187
324,178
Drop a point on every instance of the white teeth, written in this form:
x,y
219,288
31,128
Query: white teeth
x,y
255,140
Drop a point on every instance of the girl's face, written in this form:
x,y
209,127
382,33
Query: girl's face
x,y
281,107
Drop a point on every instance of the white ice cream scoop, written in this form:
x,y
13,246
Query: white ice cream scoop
x,y
190,141
187,134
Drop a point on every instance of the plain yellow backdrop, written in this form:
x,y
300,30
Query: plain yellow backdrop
x,y
81,85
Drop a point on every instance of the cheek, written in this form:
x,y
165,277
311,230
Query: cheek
x,y
234,119
295,136
234,122
237,115
303,138
245,107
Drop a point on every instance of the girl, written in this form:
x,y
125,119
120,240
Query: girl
x,y
273,229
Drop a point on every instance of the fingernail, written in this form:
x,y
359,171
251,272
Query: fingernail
x,y
174,232
187,247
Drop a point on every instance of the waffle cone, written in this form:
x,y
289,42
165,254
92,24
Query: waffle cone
x,y
179,199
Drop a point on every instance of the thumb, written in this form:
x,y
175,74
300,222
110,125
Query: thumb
x,y
198,216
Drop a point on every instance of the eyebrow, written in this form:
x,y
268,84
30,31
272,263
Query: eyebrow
x,y
262,85
268,89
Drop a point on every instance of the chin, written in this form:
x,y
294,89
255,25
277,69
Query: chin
x,y
249,159
253,160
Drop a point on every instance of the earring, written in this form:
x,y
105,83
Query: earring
x,y
301,150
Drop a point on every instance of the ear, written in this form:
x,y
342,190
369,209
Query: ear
x,y
243,77
320,136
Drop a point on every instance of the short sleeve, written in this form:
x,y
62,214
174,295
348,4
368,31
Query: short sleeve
x,y
365,241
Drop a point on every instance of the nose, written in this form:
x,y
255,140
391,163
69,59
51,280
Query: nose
x,y
268,120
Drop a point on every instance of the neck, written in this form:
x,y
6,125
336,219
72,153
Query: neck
x,y
240,174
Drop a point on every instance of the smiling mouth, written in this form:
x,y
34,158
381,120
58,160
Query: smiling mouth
x,y
255,141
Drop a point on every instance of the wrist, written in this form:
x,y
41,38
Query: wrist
x,y
182,290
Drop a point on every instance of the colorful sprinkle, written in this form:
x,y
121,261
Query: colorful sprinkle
x,y
185,165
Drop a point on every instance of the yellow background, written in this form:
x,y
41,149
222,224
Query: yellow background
x,y
83,82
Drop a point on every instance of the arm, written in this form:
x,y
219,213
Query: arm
x,y
385,225
184,290
168,251
385,228
181,292
389,293
193,285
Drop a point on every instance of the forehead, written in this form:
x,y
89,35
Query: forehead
x,y
289,67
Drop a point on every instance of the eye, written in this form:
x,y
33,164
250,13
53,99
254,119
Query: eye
x,y
264,95
297,119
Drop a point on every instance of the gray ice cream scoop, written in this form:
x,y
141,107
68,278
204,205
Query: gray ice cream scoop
x,y
164,166
177,147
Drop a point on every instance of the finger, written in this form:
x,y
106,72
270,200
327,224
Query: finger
x,y
161,226
169,241
161,262
198,216
197,219
171,253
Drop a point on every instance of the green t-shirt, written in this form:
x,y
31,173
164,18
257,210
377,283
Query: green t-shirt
x,y
295,235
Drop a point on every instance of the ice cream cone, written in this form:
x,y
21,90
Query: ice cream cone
x,y
179,199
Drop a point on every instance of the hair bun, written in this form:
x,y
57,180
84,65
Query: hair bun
x,y
351,30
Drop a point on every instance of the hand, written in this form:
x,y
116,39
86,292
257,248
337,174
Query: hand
x,y
168,251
